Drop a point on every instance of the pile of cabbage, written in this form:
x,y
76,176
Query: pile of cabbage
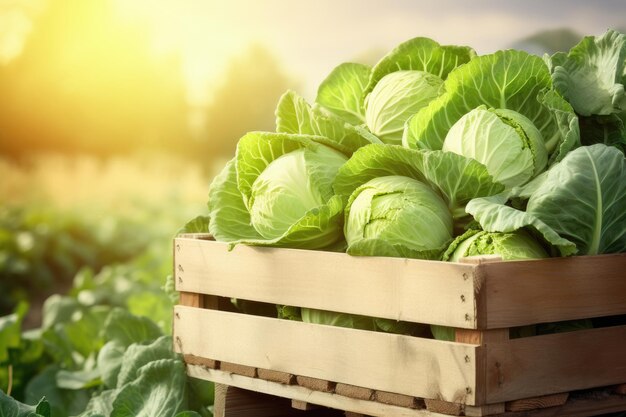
x,y
438,153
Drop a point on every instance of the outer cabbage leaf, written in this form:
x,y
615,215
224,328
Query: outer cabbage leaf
x,y
457,178
342,92
421,54
495,216
232,193
159,390
583,199
331,318
579,205
295,115
504,80
590,76
230,219
566,136
396,98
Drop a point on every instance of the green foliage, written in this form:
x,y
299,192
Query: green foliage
x,y
40,249
579,205
9,407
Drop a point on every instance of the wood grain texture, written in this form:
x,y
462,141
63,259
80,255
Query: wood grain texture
x,y
368,408
444,407
518,293
276,376
398,399
197,360
394,288
484,410
316,384
543,401
190,299
406,365
238,369
579,407
482,338
542,365
353,391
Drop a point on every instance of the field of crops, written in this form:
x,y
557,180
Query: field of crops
x,y
85,293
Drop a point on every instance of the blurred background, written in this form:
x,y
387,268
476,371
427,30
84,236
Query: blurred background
x,y
115,114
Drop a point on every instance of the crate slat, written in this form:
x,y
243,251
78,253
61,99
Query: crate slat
x,y
294,392
394,288
387,362
518,293
541,365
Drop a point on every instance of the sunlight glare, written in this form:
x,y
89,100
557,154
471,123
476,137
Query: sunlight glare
x,y
201,31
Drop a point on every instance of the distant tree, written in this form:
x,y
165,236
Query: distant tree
x,y
88,81
244,102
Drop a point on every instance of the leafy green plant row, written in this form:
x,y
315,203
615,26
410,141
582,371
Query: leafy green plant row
x,y
42,249
97,353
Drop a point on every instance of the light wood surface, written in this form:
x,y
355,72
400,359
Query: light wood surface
x,y
487,294
518,293
370,408
405,365
394,288
541,365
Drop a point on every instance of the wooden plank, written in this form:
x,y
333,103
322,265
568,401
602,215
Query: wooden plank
x,y
238,369
191,299
482,338
534,403
444,407
219,403
303,405
549,290
398,399
395,288
484,410
541,365
353,391
406,365
578,407
237,402
369,408
276,376
197,360
316,384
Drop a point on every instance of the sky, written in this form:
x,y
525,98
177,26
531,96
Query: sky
x,y
310,38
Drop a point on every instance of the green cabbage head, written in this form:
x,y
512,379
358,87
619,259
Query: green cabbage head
x,y
505,141
397,97
277,191
291,185
397,216
509,246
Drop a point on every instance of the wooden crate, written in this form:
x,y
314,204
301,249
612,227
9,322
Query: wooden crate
x,y
483,372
